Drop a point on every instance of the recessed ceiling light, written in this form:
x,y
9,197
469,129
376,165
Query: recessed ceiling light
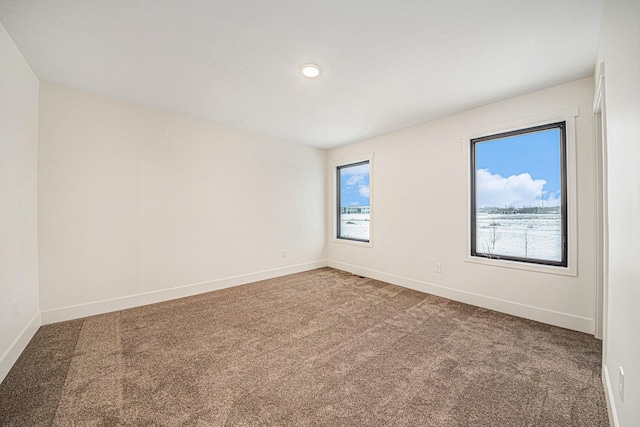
x,y
310,70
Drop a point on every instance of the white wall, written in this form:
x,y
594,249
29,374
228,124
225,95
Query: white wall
x,y
620,51
135,202
423,168
18,203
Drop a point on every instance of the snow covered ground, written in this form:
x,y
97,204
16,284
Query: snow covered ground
x,y
536,236
355,226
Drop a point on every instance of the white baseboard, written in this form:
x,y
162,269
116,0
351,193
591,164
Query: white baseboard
x,y
16,348
550,317
608,394
122,303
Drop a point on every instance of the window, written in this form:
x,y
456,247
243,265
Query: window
x,y
519,195
354,201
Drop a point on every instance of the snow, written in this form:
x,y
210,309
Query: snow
x,y
355,226
537,236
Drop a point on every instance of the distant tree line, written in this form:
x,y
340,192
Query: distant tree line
x,y
523,210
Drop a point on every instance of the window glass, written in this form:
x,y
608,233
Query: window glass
x,y
354,201
518,206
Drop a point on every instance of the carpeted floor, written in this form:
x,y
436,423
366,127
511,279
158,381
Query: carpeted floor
x,y
320,348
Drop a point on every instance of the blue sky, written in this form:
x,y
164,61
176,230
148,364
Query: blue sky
x,y
518,170
354,186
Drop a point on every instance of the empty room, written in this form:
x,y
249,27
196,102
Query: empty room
x,y
327,213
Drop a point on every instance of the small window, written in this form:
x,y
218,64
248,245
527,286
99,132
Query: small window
x,y
519,195
354,201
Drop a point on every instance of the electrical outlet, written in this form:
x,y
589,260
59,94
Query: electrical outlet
x,y
285,253
438,268
621,384
15,309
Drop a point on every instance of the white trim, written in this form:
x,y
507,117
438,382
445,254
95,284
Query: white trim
x,y
130,301
608,394
353,159
599,93
601,211
569,117
16,348
539,268
526,122
563,320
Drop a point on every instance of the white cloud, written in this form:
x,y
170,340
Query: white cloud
x,y
364,190
354,179
552,200
516,190
356,170
356,175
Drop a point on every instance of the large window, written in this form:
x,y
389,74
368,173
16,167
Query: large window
x,y
354,201
519,195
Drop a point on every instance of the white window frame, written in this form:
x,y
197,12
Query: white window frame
x,y
334,172
569,117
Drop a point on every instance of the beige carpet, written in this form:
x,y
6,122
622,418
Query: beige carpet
x,y
321,348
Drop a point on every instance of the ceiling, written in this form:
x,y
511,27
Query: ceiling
x,y
386,64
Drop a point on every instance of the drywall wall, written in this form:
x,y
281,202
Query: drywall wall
x,y
420,207
138,205
18,203
620,52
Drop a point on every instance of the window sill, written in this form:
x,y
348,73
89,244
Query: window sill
x,y
538,268
353,242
